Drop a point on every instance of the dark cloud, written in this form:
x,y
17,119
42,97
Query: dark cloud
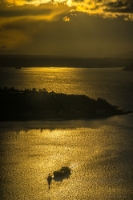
x,y
3,47
41,29
83,36
120,6
78,1
50,8
20,24
24,11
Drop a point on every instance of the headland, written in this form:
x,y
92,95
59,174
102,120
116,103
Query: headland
x,y
128,68
24,105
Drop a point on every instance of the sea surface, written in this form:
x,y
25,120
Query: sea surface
x,y
99,151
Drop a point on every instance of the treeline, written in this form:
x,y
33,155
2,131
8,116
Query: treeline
x,y
36,104
54,61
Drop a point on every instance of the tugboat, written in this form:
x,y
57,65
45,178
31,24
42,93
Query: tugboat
x,y
61,174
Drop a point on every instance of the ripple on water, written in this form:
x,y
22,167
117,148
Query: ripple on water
x,y
100,156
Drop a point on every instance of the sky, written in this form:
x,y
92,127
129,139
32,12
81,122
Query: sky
x,y
77,28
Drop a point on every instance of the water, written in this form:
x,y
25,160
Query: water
x,y
100,152
114,85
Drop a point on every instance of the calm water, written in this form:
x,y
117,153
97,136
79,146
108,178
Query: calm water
x,y
114,85
100,152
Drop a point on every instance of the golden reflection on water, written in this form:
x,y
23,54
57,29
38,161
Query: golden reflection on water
x,y
28,156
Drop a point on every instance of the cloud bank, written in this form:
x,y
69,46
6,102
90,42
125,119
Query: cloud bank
x,y
50,9
23,21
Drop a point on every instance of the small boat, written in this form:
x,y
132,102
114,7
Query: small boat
x,y
61,174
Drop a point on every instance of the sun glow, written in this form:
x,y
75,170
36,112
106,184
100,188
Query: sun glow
x,y
103,8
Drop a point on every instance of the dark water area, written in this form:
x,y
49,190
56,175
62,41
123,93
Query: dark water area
x,y
99,152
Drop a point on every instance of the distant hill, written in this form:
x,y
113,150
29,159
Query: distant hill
x,y
18,61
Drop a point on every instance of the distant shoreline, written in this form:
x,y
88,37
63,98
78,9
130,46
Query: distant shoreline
x,y
60,119
38,118
19,61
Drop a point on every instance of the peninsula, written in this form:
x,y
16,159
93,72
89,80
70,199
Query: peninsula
x,y
33,104
128,68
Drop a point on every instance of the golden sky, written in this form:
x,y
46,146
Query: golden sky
x,y
87,28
